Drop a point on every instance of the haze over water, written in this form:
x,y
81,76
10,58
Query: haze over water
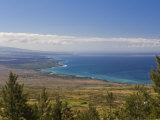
x,y
115,68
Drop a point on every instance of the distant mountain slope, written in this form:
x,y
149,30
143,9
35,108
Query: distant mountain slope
x,y
17,52
12,49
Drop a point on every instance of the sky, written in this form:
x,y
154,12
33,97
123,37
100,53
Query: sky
x,y
81,25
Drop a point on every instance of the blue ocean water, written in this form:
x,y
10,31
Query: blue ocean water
x,y
121,68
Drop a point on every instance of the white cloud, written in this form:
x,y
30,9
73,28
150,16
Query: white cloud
x,y
72,42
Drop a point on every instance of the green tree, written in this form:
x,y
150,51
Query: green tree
x,y
14,101
108,115
155,76
90,114
61,111
110,100
138,106
43,107
67,113
57,109
141,105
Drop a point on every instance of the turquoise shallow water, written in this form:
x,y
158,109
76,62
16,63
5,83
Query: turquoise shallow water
x,y
121,68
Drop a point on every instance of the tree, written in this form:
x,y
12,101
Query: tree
x,y
90,114
57,109
67,113
110,102
141,105
43,106
138,106
155,76
14,101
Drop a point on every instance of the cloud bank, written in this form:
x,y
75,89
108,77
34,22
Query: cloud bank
x,y
71,43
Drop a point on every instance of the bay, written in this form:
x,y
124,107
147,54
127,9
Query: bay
x,y
115,68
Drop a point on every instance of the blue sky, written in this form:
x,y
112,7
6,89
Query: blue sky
x,y
95,25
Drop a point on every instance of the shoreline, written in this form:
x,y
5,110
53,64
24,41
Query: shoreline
x,y
59,63
71,76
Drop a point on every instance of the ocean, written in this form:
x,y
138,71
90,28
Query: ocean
x,y
131,69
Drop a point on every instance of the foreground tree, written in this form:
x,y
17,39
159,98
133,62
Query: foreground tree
x,y
57,109
108,115
14,101
43,107
90,114
138,106
67,113
155,76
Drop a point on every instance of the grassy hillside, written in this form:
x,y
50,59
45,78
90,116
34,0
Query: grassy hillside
x,y
77,92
